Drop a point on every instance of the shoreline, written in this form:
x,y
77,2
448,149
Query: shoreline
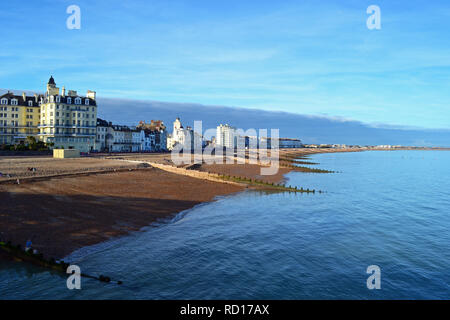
x,y
65,214
79,203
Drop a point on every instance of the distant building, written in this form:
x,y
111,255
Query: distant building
x,y
105,136
183,136
226,136
283,143
155,138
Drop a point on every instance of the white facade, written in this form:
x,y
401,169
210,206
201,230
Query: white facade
x,y
183,136
149,142
226,136
137,139
68,121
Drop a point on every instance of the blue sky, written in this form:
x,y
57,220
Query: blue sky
x,y
304,57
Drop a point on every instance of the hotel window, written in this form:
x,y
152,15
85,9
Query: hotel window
x,y
87,102
69,100
4,101
58,99
77,101
30,103
14,102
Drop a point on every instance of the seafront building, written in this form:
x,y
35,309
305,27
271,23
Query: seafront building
x,y
119,138
19,117
226,136
283,143
105,136
155,135
185,137
64,119
67,119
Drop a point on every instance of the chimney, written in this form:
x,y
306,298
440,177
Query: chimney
x,y
63,92
24,96
91,94
35,98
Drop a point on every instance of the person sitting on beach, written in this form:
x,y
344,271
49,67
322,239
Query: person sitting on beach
x,y
28,245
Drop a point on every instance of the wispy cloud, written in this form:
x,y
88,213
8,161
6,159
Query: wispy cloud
x,y
304,57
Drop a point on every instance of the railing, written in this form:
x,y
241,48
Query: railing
x,y
67,134
66,126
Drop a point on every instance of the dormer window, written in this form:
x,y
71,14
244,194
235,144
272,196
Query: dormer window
x,y
69,100
86,102
77,101
58,99
30,103
4,101
14,102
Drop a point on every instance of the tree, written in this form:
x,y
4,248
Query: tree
x,y
31,143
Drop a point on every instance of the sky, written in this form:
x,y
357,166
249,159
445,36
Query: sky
x,y
302,57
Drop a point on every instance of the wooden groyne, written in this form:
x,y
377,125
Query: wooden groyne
x,y
190,171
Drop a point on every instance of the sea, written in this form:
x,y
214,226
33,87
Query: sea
x,y
387,211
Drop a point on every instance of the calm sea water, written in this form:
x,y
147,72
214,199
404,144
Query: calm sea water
x,y
390,209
